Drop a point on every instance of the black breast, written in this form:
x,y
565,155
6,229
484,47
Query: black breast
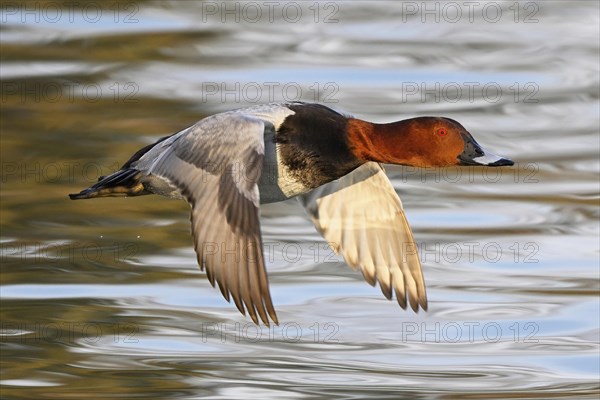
x,y
314,146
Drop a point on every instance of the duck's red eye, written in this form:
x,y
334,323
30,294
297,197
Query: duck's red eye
x,y
442,132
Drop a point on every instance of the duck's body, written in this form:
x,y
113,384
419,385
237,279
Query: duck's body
x,y
227,164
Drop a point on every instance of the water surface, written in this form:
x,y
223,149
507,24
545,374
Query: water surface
x,y
104,298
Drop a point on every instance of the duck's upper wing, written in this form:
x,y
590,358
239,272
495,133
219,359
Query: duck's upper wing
x,y
216,165
361,216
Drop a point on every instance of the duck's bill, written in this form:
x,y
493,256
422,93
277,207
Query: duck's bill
x,y
474,154
488,159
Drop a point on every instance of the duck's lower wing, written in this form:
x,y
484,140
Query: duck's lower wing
x,y
361,216
216,165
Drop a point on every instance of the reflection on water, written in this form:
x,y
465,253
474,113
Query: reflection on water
x,y
107,295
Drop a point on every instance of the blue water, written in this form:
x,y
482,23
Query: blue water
x,y
104,298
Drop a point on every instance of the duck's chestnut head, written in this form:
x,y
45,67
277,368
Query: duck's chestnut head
x,y
420,142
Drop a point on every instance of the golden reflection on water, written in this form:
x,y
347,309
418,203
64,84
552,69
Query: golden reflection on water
x,y
103,298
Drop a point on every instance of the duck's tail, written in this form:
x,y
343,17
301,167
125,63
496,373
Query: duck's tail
x,y
125,182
